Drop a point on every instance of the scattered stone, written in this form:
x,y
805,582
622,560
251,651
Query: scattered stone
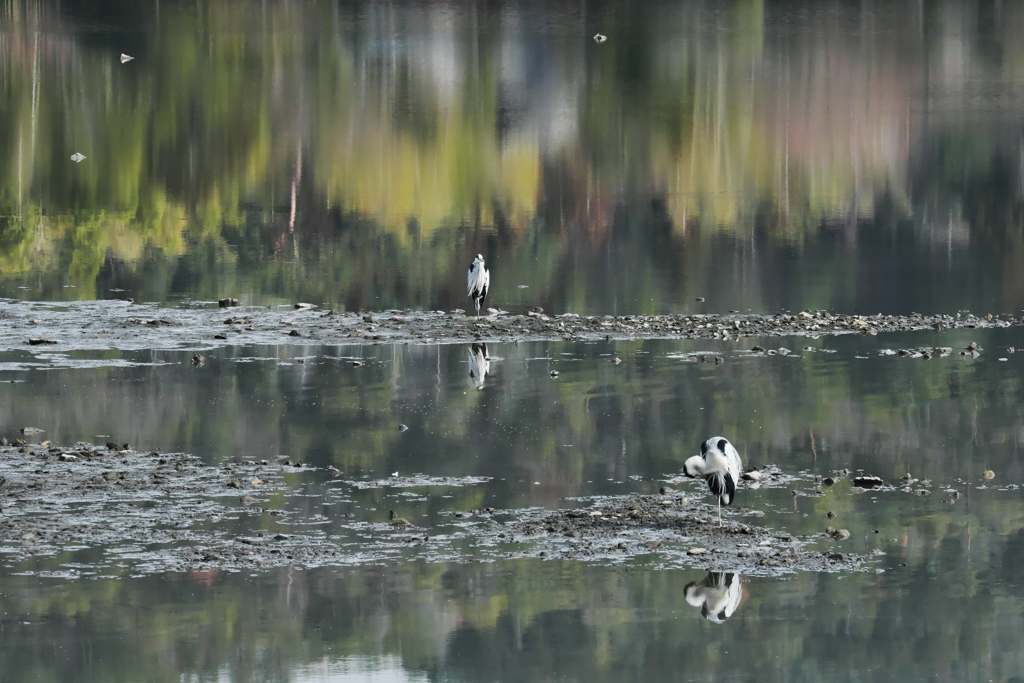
x,y
697,551
868,482
37,341
988,474
227,302
751,475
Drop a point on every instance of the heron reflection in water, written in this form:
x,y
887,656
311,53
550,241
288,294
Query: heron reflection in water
x,y
718,595
479,364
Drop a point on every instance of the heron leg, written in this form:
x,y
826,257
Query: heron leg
x,y
719,512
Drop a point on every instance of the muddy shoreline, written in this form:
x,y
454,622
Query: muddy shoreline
x,y
90,510
102,325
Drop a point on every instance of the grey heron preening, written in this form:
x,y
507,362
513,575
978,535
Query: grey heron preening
x,y
479,364
718,595
478,282
719,465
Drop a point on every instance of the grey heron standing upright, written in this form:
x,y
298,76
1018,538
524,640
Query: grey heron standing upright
x,y
478,282
719,465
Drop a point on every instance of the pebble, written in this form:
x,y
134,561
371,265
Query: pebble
x,y
697,551
868,482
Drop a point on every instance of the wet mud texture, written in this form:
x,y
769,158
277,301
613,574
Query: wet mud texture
x,y
678,532
100,325
96,511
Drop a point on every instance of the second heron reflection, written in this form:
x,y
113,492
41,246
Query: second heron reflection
x,y
479,364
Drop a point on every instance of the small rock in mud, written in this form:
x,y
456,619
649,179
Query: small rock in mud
x,y
36,341
227,302
868,482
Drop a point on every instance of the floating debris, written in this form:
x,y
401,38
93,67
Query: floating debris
x,y
598,38
126,58
78,158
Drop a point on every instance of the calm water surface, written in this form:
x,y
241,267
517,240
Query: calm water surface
x,y
943,601
860,157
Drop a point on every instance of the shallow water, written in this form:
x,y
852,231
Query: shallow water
x,y
940,600
760,156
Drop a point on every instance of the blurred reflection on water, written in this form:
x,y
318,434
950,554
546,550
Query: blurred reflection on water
x,y
762,156
758,156
946,604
